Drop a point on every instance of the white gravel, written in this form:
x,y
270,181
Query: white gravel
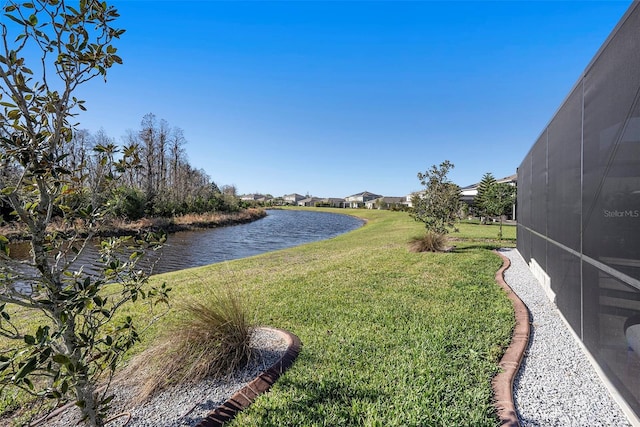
x,y
556,384
188,404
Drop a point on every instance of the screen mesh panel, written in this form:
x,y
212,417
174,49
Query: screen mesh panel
x,y
524,243
612,151
564,172
612,332
524,193
564,270
539,185
579,207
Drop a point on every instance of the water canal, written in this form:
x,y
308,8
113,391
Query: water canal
x,y
278,230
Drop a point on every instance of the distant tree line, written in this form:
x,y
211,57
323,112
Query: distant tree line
x,y
162,182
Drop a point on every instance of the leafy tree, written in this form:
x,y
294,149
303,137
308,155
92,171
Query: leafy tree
x,y
438,204
480,202
127,202
498,200
77,337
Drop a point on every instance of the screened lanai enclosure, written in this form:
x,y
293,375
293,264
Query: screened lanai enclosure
x,y
579,207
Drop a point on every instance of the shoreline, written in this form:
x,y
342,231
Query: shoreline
x,y
116,228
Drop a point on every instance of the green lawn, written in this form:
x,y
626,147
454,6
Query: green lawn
x,y
474,231
390,338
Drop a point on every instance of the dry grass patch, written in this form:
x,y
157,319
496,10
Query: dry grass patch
x,y
430,242
210,339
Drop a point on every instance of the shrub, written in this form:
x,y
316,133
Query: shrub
x,y
437,205
211,339
128,203
430,242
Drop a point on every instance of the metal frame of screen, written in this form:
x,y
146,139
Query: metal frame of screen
x,y
579,207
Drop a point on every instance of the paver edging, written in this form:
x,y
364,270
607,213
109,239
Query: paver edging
x,y
502,383
245,396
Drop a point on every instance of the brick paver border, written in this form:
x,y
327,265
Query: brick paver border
x,y
512,358
243,398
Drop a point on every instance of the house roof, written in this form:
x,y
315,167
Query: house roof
x,y
366,194
309,199
510,178
254,196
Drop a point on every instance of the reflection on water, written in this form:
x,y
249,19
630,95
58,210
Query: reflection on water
x,y
278,230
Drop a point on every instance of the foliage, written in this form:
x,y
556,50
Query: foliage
x,y
438,204
127,202
212,336
480,201
77,338
499,199
494,199
429,242
162,183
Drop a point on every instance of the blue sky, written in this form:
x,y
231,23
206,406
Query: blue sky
x,y
334,98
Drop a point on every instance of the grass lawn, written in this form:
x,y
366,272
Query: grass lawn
x,y
390,337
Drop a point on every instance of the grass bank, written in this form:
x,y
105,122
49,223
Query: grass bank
x,y
390,338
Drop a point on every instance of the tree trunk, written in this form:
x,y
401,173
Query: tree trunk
x,y
85,390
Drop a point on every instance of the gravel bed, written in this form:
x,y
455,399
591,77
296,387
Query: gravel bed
x,y
556,384
188,404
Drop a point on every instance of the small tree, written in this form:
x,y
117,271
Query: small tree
x,y
77,337
480,202
498,199
438,204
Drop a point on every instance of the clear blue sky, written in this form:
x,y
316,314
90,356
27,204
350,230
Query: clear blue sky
x,y
334,98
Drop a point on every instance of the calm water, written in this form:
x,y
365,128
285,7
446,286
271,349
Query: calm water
x,y
278,230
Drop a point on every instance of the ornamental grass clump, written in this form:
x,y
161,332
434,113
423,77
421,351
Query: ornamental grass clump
x,y
211,339
429,242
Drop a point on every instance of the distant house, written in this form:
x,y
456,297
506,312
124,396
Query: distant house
x,y
359,200
332,202
253,197
292,199
409,198
386,203
469,193
276,201
309,201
